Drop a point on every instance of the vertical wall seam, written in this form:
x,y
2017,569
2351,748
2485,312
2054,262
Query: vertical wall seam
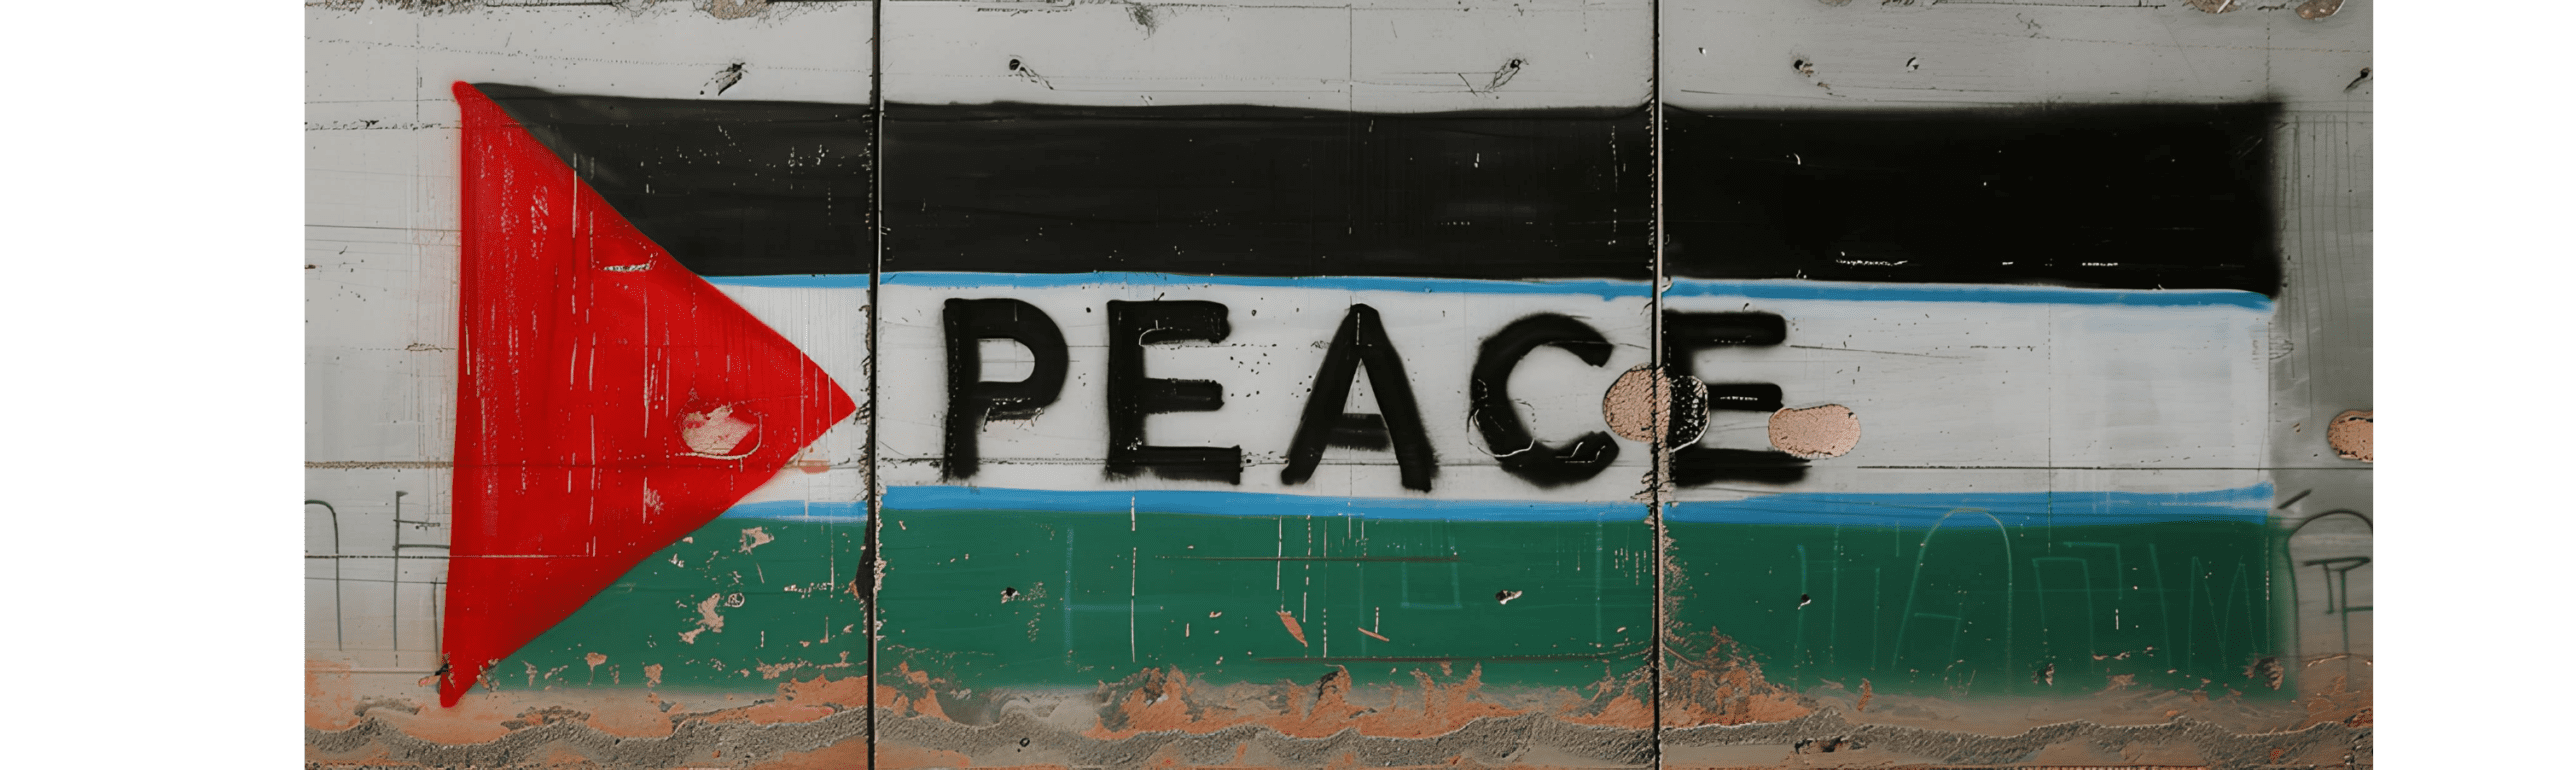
x,y
1660,474
871,383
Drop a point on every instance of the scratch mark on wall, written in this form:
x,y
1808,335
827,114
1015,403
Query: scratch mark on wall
x,y
728,76
1291,622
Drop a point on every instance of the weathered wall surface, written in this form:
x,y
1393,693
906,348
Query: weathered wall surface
x,y
1263,384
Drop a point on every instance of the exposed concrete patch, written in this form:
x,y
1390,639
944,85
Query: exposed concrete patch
x,y
717,432
328,697
2351,434
810,725
1295,632
751,537
1815,433
692,741
2346,699
1146,16
2220,747
1019,739
711,619
2318,9
1642,405
734,9
1722,685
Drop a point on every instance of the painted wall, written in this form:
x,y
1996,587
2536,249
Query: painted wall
x,y
1697,384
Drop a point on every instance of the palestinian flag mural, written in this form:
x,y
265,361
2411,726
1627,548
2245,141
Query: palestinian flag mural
x,y
1967,400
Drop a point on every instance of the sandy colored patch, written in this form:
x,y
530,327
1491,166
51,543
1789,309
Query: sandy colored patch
x,y
328,695
1628,710
1291,622
856,753
1171,701
1723,686
1816,433
1643,405
2351,434
716,433
896,755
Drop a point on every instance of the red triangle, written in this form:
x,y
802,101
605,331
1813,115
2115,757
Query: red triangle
x,y
611,400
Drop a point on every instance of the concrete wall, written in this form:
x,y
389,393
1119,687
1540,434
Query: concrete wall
x,y
1935,508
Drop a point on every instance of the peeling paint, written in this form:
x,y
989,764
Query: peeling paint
x,y
1643,404
751,537
1814,433
733,9
2351,435
718,432
1290,622
711,620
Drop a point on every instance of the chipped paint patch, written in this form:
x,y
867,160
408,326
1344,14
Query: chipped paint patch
x,y
2318,9
751,537
734,9
710,621
1815,433
2351,434
1723,685
1159,701
1630,407
328,698
717,433
1291,622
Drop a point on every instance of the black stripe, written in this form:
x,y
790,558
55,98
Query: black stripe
x,y
727,187
2120,197
739,188
2134,197
1268,192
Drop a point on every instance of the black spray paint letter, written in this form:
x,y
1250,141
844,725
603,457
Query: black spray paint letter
x,y
973,402
1362,342
1519,452
1133,396
1684,336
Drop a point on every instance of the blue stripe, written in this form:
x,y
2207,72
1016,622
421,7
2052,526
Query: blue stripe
x,y
1912,292
2244,505
798,510
1210,503
2010,509
1603,288
1606,289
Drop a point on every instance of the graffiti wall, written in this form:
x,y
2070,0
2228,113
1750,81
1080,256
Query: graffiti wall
x,y
1596,384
